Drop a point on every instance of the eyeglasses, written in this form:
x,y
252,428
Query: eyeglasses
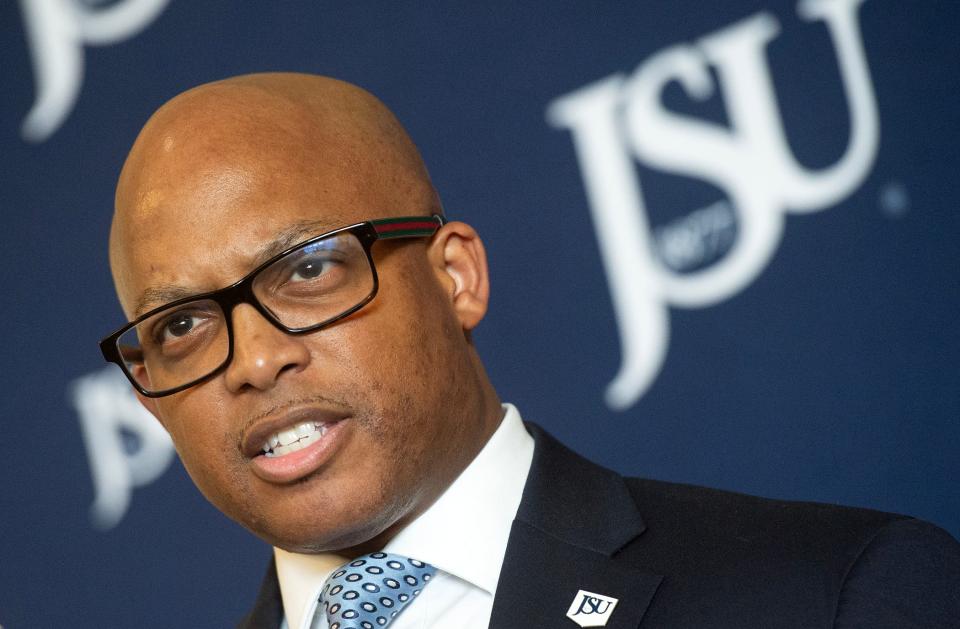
x,y
303,289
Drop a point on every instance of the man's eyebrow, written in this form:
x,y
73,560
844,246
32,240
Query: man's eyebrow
x,y
298,232
157,295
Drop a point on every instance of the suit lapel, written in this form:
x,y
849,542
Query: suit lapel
x,y
573,518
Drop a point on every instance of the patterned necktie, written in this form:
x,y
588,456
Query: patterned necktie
x,y
370,591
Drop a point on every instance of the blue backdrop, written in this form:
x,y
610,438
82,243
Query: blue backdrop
x,y
723,240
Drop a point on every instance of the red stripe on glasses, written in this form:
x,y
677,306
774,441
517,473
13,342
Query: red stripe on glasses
x,y
405,226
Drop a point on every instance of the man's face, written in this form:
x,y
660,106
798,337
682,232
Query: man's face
x,y
389,383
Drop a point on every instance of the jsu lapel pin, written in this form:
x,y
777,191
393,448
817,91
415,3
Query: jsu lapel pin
x,y
590,609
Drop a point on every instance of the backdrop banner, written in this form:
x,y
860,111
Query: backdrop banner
x,y
723,241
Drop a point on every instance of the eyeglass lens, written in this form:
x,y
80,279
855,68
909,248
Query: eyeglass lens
x,y
307,287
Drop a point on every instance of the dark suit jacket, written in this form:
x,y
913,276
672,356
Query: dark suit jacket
x,y
702,558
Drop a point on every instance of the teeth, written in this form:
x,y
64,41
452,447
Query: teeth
x,y
293,447
293,439
287,437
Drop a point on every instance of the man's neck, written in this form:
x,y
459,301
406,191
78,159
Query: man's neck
x,y
494,413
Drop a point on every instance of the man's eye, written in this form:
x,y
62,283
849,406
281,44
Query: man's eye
x,y
176,326
180,326
309,269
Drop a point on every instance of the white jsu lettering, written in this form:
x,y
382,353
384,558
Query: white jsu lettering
x,y
619,119
107,408
57,31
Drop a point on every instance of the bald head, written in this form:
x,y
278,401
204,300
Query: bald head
x,y
257,141
225,177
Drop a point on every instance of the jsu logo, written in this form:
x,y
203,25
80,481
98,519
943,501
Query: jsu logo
x,y
57,31
126,446
622,118
590,609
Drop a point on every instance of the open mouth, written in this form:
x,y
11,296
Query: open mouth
x,y
294,446
293,439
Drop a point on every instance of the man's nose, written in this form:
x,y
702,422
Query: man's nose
x,y
261,352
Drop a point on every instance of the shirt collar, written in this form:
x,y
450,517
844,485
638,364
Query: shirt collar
x,y
464,533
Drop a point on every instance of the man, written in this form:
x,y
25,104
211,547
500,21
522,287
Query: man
x,y
301,320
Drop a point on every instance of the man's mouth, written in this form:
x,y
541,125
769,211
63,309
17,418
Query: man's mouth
x,y
293,445
295,438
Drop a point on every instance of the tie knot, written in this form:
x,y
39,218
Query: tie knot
x,y
370,591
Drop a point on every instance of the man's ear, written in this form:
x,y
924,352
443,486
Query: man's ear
x,y
457,255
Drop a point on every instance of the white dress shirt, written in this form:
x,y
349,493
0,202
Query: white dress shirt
x,y
463,534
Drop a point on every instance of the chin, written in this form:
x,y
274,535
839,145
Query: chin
x,y
326,531
326,512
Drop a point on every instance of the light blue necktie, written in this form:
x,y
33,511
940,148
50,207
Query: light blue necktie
x,y
370,591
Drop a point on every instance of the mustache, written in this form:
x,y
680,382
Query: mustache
x,y
281,407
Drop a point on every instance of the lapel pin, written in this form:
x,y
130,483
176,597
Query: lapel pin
x,y
590,609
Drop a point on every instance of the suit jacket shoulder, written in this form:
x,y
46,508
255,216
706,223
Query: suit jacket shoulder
x,y
683,556
781,563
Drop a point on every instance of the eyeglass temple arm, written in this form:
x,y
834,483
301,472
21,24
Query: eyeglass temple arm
x,y
408,226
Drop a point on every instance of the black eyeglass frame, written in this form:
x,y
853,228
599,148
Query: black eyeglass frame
x,y
241,292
